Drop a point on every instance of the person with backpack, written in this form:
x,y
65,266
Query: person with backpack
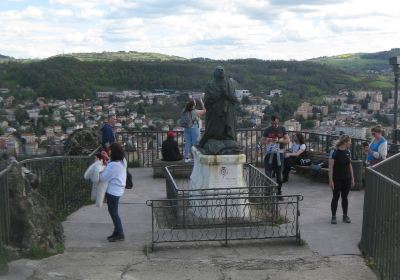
x,y
341,177
190,121
115,174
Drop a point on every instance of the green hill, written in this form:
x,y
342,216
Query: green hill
x,y
63,77
123,56
361,62
75,75
4,58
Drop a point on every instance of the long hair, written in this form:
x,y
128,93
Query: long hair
x,y
342,140
300,138
117,152
189,106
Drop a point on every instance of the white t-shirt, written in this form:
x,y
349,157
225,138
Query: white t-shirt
x,y
115,175
297,147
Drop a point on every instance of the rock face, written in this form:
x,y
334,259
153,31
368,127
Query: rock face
x,y
82,142
33,225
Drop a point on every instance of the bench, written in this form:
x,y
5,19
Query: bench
x,y
182,170
322,174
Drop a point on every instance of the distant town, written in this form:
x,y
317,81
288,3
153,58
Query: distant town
x,y
41,126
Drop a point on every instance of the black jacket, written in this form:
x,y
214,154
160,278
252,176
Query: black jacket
x,y
170,150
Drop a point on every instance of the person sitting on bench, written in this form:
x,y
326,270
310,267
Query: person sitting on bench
x,y
169,148
292,158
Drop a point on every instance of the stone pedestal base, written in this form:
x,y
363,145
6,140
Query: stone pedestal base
x,y
214,176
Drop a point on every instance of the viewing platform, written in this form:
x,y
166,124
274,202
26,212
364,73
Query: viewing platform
x,y
329,251
325,251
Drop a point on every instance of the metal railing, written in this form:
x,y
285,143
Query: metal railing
x,y
223,214
224,218
381,221
148,145
4,206
60,182
177,179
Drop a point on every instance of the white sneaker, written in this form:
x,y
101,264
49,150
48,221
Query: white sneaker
x,y
187,159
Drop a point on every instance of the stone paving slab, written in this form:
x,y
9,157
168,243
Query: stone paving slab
x,y
255,261
323,237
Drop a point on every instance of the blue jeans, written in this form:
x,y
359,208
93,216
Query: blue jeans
x,y
191,136
112,203
274,166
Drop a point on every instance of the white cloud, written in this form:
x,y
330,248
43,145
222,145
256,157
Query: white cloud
x,y
232,29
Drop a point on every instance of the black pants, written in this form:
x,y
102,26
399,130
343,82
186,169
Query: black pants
x,y
289,162
274,167
342,188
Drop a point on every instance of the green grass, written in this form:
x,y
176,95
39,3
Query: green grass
x,y
124,56
354,62
36,253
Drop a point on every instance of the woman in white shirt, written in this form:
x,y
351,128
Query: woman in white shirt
x,y
115,175
293,157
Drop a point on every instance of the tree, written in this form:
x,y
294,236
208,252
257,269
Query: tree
x,y
350,98
308,124
141,109
246,100
21,115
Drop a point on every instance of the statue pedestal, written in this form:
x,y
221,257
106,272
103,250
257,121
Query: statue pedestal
x,y
214,176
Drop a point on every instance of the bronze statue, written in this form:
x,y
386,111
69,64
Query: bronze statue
x,y
220,132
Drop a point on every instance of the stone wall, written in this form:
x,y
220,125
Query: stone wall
x,y
33,224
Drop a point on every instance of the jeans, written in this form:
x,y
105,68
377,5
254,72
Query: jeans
x,y
191,136
112,203
273,166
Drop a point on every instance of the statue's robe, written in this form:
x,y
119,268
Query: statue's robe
x,y
219,101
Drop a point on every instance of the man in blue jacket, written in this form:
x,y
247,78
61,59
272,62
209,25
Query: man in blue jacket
x,y
107,133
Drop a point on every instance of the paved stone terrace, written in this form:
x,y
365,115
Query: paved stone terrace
x,y
331,251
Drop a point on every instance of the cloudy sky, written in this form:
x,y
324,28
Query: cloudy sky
x,y
223,29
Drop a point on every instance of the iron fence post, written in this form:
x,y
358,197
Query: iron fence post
x,y
226,221
298,238
152,227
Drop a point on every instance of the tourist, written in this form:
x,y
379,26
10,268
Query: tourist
x,y
275,138
296,152
107,132
115,175
169,148
341,177
192,129
377,150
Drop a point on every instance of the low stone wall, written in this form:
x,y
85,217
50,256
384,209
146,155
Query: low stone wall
x,y
320,176
184,172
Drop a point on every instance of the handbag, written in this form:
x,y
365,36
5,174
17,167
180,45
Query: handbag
x,y
129,182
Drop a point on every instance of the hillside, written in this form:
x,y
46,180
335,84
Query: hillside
x,y
4,58
123,56
361,62
67,77
75,75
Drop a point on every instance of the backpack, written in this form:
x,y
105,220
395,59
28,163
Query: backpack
x,y
186,120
